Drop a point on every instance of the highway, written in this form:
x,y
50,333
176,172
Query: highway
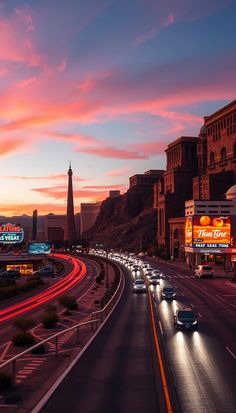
x,y
203,362
119,372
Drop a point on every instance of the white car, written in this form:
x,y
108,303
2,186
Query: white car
x,y
202,271
139,286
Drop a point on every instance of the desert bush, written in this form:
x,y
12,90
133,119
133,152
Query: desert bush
x,y
23,338
23,324
68,301
5,380
49,319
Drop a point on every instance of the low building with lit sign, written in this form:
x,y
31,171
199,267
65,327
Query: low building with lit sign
x,y
209,230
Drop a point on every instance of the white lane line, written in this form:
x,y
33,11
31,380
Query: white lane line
x,y
204,288
181,276
192,305
229,295
160,325
230,351
232,305
182,294
200,315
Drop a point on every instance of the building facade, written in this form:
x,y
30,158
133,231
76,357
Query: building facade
x,y
200,171
54,227
88,215
149,178
175,186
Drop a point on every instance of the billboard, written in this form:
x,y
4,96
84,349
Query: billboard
x,y
188,230
39,248
11,233
211,231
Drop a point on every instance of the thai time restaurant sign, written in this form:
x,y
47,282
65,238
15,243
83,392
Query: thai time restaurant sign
x,y
11,234
211,231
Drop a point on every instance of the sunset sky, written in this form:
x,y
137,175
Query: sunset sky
x,y
105,84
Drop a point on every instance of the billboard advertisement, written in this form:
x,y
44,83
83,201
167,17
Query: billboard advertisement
x,y
11,234
39,248
188,231
211,231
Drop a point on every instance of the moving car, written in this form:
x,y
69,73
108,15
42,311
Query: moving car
x,y
10,274
139,286
202,271
148,272
46,271
158,273
154,280
168,293
185,319
135,268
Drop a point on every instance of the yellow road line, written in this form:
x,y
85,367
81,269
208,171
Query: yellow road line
x,y
158,351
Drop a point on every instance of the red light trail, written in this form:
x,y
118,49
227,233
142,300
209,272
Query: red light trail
x,y
76,275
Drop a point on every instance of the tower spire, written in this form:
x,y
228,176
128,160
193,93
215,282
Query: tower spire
x,y
70,231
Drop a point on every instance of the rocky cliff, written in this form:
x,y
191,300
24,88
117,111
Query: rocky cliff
x,y
126,222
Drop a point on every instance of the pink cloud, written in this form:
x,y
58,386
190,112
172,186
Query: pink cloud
x,y
61,177
9,146
26,82
125,170
3,72
154,31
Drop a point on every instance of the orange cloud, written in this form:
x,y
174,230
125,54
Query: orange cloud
x,y
9,146
120,172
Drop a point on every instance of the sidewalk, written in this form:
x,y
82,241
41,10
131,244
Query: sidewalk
x,y
177,263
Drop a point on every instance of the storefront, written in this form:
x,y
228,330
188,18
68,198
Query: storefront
x,y
25,264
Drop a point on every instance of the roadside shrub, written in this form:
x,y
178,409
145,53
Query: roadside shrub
x,y
51,307
5,380
68,301
98,279
49,319
39,350
23,324
23,338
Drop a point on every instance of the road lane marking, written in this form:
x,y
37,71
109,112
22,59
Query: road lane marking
x,y
181,276
182,294
192,305
230,351
160,325
232,305
200,315
158,351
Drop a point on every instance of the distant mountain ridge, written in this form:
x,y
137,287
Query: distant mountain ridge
x,y
127,222
24,220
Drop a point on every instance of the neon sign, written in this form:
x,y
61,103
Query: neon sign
x,y
11,234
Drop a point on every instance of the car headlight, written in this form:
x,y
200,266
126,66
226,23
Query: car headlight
x,y
179,322
195,322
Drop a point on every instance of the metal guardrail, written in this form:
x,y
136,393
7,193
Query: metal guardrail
x,y
94,322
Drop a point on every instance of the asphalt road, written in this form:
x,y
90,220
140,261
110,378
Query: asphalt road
x,y
203,362
118,373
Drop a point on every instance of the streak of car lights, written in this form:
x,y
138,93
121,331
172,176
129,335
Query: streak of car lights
x,y
52,292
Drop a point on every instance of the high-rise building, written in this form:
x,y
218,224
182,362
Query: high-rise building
x,y
70,230
88,215
35,225
54,227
